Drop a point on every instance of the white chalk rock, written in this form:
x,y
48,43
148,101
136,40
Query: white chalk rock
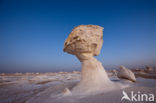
x,y
125,73
67,92
85,41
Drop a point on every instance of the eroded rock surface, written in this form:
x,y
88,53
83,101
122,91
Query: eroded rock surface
x,y
85,41
125,73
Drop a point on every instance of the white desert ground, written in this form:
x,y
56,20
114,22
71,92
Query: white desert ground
x,y
49,88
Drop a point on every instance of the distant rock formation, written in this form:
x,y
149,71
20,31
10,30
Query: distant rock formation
x,y
148,72
85,41
125,73
114,72
148,69
145,75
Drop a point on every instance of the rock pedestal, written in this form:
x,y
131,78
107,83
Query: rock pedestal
x,y
85,41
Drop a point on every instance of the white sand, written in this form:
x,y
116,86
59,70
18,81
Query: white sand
x,y
48,88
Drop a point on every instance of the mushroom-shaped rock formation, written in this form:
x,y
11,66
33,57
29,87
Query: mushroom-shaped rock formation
x,y
125,73
85,41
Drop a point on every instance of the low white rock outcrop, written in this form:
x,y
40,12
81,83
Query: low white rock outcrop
x,y
125,73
